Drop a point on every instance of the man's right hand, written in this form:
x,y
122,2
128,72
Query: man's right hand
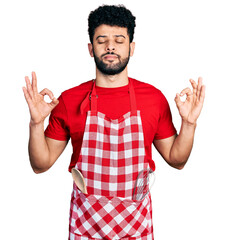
x,y
43,151
39,109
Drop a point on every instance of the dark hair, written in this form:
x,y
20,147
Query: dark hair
x,y
113,15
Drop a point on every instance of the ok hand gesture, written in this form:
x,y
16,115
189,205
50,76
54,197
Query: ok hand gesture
x,y
39,109
190,109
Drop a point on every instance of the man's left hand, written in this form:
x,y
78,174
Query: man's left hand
x,y
190,109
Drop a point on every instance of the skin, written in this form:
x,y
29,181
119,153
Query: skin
x,y
175,150
116,40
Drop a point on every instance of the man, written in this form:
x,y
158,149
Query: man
x,y
112,122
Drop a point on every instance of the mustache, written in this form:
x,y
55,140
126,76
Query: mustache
x,y
110,53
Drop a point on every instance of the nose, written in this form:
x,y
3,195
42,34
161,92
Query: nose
x,y
110,46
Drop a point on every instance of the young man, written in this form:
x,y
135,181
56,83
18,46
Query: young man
x,y
112,122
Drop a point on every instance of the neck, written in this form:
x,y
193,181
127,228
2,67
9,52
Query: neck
x,y
112,81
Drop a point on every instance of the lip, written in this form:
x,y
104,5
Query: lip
x,y
110,57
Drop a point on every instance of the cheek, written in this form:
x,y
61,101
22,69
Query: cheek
x,y
125,51
98,50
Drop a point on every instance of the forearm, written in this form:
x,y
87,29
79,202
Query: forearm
x,y
38,148
182,145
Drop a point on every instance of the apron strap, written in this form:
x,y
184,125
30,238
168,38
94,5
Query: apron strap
x,y
93,98
132,97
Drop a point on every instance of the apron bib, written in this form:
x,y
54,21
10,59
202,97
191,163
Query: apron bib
x,y
111,157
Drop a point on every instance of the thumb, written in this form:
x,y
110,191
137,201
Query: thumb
x,y
178,100
54,103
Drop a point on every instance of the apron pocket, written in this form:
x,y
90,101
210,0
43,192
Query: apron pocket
x,y
109,218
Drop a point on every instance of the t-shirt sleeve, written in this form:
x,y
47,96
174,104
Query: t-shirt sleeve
x,y
165,127
58,124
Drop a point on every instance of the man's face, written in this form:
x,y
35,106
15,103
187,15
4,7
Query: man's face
x,y
111,49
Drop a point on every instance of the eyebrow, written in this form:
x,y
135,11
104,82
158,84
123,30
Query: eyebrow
x,y
103,36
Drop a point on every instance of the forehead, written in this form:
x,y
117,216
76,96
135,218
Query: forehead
x,y
110,31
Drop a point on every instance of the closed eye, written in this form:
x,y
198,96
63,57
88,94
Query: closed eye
x,y
119,41
100,42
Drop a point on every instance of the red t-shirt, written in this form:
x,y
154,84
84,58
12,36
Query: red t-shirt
x,y
67,120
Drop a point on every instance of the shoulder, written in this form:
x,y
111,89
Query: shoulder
x,y
78,93
74,96
149,97
146,88
80,89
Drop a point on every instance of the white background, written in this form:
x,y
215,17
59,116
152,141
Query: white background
x,y
175,41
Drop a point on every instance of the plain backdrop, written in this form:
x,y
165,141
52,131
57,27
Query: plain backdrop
x,y
175,41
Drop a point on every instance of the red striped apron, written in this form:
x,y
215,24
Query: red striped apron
x,y
112,155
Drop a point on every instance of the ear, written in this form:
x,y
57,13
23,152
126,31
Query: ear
x,y
90,47
132,48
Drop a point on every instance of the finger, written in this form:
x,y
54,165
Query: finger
x,y
34,83
186,91
194,86
27,96
29,87
199,86
46,91
202,94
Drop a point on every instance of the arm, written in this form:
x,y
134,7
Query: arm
x,y
176,149
43,152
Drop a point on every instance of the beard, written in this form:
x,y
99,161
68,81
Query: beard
x,y
111,69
